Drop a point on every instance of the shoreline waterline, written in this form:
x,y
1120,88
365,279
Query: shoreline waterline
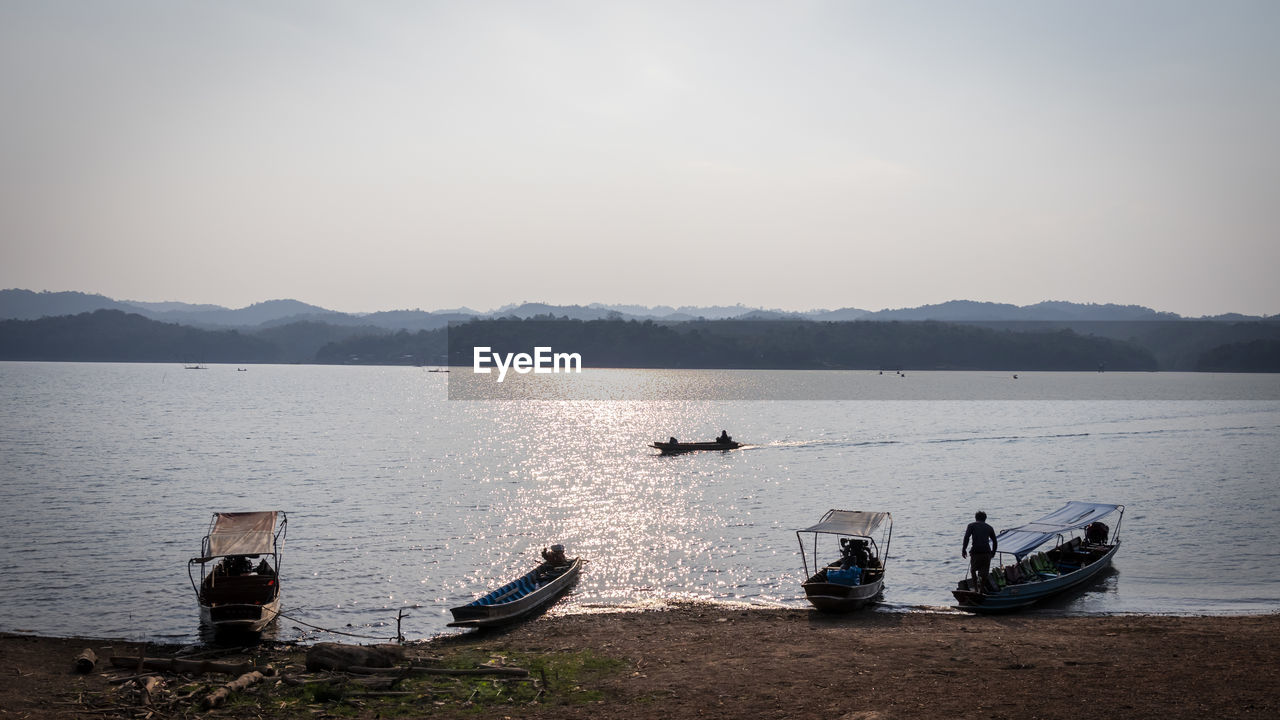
x,y
704,661
622,613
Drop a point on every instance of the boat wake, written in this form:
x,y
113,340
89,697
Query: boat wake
x,y
820,444
1006,438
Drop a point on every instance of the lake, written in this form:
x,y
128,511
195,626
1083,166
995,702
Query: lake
x,y
399,497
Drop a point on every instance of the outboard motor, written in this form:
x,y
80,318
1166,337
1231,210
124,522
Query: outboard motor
x,y
855,552
1096,532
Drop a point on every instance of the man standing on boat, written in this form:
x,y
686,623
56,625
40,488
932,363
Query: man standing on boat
x,y
984,548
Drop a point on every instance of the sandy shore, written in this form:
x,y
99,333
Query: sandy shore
x,y
717,662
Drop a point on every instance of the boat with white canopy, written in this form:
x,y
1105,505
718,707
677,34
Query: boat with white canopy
x,y
234,591
859,541
1024,573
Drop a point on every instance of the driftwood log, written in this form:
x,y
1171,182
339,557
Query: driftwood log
x,y
219,696
86,660
337,656
420,670
377,682
188,667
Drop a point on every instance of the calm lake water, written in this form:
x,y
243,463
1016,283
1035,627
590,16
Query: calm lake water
x,y
399,497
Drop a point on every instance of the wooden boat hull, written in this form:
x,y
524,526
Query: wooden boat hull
x,y
834,597
246,603
684,447
240,618
1012,597
516,600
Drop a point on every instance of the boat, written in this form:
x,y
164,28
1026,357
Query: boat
x,y
234,592
673,446
1024,573
519,598
856,576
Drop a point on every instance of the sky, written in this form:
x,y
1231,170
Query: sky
x,y
375,155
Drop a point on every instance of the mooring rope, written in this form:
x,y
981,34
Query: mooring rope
x,y
280,614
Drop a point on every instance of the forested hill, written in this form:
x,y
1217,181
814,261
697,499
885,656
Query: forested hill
x,y
116,336
801,345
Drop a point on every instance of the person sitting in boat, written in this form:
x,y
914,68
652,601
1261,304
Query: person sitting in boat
x,y
724,438
673,441
263,568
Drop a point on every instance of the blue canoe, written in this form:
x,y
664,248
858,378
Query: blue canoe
x,y
519,598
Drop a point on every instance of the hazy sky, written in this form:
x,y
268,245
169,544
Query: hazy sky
x,y
370,155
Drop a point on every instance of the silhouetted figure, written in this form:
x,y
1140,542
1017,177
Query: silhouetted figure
x,y
724,438
984,548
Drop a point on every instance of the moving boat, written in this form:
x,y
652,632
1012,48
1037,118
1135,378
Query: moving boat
x,y
235,593
673,446
856,577
519,598
1023,573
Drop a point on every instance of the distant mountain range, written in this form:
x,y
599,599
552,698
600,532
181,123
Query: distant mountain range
x,y
72,326
18,304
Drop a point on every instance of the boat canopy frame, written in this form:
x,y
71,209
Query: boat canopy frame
x,y
848,523
241,534
1075,515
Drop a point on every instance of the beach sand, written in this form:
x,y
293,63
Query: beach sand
x,y
717,662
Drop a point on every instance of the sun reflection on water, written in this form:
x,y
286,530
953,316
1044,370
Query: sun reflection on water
x,y
652,527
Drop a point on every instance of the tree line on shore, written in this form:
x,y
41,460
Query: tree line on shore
x,y
116,336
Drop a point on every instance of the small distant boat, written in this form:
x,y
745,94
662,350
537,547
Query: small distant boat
x,y
1083,546
856,577
673,446
196,366
519,598
234,593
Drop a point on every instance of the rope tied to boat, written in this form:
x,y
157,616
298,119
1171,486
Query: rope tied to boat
x,y
339,632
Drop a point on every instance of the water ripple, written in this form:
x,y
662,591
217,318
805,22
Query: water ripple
x,y
399,498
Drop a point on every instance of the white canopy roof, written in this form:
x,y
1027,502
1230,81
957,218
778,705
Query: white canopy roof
x,y
244,533
1072,516
848,522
